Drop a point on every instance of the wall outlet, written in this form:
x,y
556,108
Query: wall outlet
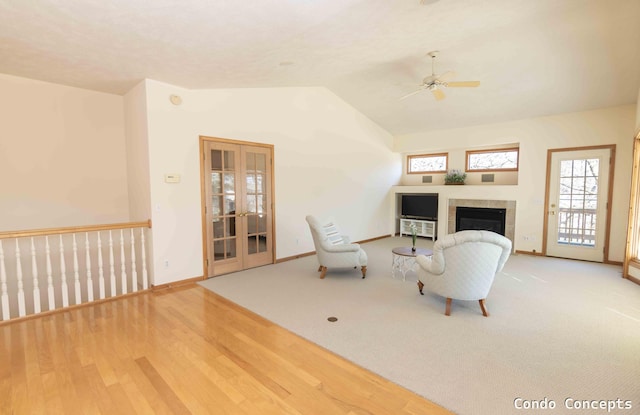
x,y
166,263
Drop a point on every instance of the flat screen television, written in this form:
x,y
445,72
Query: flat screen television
x,y
420,206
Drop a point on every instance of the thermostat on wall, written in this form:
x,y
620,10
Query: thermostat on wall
x,y
172,178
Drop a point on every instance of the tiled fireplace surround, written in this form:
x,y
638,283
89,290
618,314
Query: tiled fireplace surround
x,y
509,205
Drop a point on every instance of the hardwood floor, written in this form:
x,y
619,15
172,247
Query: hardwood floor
x,y
182,350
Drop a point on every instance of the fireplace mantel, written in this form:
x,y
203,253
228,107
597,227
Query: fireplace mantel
x,y
469,195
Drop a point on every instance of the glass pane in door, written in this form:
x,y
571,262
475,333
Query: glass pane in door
x,y
256,197
223,198
252,245
578,202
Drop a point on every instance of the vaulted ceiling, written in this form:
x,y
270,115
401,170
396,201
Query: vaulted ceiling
x,y
532,57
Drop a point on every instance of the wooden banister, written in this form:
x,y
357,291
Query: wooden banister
x,y
22,287
73,229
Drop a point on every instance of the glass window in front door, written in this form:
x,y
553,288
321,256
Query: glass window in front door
x,y
578,202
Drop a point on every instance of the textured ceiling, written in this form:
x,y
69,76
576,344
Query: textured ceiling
x,y
532,57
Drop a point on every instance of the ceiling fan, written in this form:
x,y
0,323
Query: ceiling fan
x,y
435,83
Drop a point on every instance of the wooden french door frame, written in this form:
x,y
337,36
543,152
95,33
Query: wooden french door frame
x,y
633,238
207,265
607,230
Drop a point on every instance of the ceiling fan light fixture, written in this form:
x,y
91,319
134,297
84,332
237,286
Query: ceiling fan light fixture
x,y
435,83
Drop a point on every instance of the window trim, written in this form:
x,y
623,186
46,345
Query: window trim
x,y
493,150
412,156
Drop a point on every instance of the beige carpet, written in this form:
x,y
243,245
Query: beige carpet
x,y
559,329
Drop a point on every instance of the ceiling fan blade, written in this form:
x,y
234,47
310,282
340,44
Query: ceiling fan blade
x,y
462,84
447,75
413,93
438,94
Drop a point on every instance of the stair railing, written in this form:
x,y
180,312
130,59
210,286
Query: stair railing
x,y
49,269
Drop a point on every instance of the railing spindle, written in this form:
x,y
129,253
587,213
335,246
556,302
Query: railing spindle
x,y
50,289
22,309
143,250
100,272
76,273
36,285
112,268
63,272
87,257
123,272
3,286
134,273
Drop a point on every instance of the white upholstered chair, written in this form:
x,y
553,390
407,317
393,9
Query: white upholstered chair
x,y
333,249
463,266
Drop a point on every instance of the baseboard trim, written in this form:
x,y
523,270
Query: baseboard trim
x,y
377,238
305,254
176,283
291,258
541,254
632,279
534,253
71,307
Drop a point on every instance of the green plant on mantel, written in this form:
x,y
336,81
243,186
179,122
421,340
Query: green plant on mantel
x,y
455,176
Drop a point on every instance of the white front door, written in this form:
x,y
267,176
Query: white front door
x,y
577,203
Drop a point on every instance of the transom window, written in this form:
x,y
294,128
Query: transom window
x,y
427,163
505,159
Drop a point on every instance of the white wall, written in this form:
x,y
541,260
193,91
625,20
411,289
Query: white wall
x,y
62,156
137,145
536,136
329,160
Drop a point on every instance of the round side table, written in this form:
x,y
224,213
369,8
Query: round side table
x,y
404,259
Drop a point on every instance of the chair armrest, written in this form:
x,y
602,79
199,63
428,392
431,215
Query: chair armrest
x,y
427,264
342,248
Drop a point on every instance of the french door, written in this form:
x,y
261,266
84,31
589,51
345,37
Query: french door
x,y
238,205
577,203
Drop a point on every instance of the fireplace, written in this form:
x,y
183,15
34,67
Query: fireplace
x,y
478,218
508,205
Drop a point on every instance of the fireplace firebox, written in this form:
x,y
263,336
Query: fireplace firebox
x,y
475,218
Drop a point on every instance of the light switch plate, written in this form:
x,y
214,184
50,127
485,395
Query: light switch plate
x,y
172,178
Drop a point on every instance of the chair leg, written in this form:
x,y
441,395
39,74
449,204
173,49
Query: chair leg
x,y
420,287
484,309
324,271
447,311
364,271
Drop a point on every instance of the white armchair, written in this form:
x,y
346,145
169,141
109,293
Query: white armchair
x,y
333,249
463,266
